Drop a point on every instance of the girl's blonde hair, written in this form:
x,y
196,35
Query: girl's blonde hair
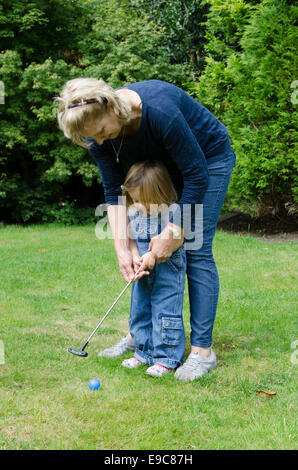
x,y
153,183
72,121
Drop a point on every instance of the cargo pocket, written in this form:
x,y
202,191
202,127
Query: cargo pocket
x,y
171,330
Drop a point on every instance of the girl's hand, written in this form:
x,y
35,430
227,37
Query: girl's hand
x,y
136,259
147,261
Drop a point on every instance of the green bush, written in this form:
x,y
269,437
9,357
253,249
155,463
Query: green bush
x,y
249,88
67,214
250,63
43,45
184,29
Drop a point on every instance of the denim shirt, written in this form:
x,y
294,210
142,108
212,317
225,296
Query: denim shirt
x,y
144,227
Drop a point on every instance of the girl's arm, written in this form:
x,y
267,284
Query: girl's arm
x,y
139,260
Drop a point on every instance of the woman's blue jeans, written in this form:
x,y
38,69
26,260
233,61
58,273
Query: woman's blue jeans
x,y
202,274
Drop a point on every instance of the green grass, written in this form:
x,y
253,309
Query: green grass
x,y
50,300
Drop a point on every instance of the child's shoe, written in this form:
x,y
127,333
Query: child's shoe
x,y
131,363
157,370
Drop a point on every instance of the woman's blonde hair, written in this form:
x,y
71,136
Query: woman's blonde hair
x,y
153,182
72,120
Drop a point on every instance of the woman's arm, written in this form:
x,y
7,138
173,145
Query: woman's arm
x,y
163,245
111,172
184,149
125,246
118,220
112,177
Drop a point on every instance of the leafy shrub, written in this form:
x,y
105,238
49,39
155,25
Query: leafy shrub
x,y
43,45
67,214
249,88
183,22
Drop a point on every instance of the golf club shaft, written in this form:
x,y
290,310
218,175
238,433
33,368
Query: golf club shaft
x,y
103,319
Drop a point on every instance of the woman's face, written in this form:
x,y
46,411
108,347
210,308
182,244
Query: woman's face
x,y
106,128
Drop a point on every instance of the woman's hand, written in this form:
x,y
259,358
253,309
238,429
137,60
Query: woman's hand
x,y
126,264
135,261
164,244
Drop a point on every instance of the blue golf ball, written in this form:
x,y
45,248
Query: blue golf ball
x,y
94,384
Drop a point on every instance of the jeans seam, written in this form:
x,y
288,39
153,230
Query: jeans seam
x,y
214,305
180,288
214,206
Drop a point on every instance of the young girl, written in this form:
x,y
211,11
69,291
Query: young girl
x,y
156,322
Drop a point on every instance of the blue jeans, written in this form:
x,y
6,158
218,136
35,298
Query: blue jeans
x,y
156,322
202,274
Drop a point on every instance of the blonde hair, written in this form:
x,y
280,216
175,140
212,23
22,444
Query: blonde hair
x,y
72,121
152,180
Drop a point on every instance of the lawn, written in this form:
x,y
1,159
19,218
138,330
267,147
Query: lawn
x,y
55,285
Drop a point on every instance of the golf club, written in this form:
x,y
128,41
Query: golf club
x,y
81,352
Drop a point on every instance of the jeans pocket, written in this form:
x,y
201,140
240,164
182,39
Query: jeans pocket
x,y
176,259
171,330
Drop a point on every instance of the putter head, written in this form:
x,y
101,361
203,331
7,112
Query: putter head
x,y
78,352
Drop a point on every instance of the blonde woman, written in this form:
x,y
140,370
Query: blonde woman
x,y
142,121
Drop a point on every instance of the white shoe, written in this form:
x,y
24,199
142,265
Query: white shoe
x,y
120,348
195,366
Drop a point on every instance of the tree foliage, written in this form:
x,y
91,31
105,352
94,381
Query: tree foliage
x,y
236,57
44,44
184,27
247,84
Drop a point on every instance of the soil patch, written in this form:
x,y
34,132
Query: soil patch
x,y
270,228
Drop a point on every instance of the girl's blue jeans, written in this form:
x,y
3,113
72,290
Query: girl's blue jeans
x,y
156,322
202,274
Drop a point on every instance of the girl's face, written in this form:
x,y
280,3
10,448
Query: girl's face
x,y
106,128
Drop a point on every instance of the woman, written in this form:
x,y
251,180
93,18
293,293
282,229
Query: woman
x,y
156,120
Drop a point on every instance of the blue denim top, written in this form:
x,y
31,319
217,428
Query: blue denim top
x,y
144,227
